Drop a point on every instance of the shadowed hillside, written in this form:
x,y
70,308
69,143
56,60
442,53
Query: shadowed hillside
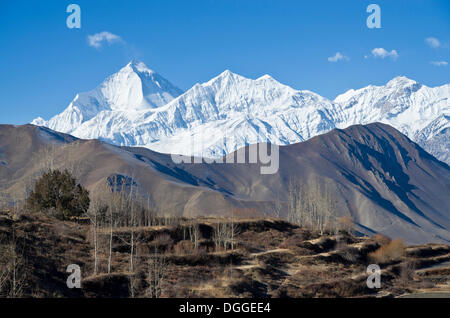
x,y
373,173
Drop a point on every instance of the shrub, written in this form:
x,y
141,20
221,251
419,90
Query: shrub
x,y
393,251
380,239
58,194
345,224
162,240
184,248
349,254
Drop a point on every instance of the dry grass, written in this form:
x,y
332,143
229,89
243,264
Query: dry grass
x,y
392,251
272,258
380,239
184,248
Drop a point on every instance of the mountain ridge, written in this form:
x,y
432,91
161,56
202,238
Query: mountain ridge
x,y
230,111
378,176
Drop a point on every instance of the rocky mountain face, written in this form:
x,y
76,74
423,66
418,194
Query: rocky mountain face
x,y
375,174
420,112
137,107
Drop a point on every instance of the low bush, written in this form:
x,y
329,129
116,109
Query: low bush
x,y
380,239
183,248
393,251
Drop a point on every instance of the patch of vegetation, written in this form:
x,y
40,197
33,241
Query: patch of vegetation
x,y
390,252
182,257
58,194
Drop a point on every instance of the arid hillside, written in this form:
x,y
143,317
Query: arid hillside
x,y
385,182
210,257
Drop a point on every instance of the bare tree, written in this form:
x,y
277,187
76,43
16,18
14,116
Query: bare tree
x,y
132,224
311,205
157,268
130,213
277,208
47,157
12,270
346,224
297,203
219,235
233,230
194,234
97,209
134,283
224,235
150,212
4,200
112,208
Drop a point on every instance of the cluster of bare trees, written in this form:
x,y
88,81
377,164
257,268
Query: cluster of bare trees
x,y
63,157
13,276
156,273
311,205
149,279
111,209
116,212
4,201
194,234
225,235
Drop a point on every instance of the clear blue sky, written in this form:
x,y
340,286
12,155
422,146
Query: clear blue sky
x,y
44,64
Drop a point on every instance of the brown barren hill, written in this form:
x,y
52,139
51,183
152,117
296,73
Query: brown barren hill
x,y
373,173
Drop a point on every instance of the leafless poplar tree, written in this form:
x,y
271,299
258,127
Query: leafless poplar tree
x,y
311,205
112,208
157,268
12,270
194,234
224,235
97,209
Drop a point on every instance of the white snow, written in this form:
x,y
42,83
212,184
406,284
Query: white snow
x,y
137,107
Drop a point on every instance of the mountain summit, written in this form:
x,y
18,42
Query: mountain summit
x,y
134,88
138,107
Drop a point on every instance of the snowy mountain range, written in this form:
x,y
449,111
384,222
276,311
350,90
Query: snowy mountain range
x,y
138,107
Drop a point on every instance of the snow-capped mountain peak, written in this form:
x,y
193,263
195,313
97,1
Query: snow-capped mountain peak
x,y
139,67
134,88
401,81
265,77
138,107
226,76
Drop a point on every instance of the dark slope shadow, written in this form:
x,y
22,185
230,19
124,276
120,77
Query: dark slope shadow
x,y
422,152
182,175
374,195
389,164
56,136
401,187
